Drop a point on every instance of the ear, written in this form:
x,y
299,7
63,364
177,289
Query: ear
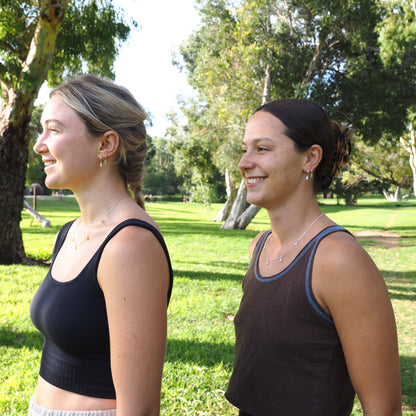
x,y
109,143
312,158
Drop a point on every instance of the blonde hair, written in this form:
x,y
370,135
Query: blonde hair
x,y
103,106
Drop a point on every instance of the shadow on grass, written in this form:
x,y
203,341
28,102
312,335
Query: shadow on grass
x,y
401,285
13,339
211,276
408,376
202,353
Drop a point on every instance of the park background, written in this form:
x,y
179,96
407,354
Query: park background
x,y
209,264
357,59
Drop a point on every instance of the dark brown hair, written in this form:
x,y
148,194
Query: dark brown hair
x,y
307,124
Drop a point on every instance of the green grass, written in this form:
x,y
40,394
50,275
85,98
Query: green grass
x,y
209,264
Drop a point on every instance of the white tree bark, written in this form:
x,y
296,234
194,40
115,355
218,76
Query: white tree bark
x,y
409,145
39,218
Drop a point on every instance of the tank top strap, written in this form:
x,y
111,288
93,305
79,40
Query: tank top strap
x,y
313,245
139,223
60,238
327,231
259,245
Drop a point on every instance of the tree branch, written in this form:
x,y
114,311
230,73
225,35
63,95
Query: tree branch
x,y
390,180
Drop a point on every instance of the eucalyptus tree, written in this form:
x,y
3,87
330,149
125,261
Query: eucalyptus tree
x,y
398,53
40,40
250,51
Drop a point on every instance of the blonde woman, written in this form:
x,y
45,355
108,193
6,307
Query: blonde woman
x,y
102,306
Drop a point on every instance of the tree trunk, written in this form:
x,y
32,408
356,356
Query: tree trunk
x,y
13,161
392,196
239,206
19,94
410,147
241,212
231,195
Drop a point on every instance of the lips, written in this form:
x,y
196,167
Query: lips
x,y
49,163
253,181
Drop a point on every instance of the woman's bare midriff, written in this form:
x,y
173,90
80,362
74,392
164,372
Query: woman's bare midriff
x,y
51,397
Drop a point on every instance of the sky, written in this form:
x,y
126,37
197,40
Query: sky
x,y
144,64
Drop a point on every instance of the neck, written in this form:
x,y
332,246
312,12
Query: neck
x,y
99,205
289,223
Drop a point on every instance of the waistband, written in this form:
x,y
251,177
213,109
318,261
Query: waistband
x,y
36,410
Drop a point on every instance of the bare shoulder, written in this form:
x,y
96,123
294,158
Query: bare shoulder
x,y
341,252
344,270
133,252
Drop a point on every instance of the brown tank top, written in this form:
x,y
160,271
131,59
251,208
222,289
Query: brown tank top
x,y
288,356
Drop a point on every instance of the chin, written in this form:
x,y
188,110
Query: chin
x,y
253,201
51,185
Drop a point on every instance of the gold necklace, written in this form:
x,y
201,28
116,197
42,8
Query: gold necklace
x,y
102,221
280,258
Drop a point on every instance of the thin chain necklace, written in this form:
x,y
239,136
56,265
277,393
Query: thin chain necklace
x,y
280,258
102,221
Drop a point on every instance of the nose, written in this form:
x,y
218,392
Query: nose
x,y
246,162
40,146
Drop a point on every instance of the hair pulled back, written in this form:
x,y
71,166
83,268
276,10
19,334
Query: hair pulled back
x,y
103,106
306,123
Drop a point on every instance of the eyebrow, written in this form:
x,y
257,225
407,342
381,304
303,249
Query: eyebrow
x,y
261,139
52,120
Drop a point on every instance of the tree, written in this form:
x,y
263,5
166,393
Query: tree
x,y
159,175
33,49
398,52
35,168
386,162
252,50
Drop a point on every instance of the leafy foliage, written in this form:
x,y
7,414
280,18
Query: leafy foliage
x,y
30,53
35,166
160,177
89,39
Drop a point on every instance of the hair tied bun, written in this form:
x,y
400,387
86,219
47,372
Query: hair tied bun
x,y
342,151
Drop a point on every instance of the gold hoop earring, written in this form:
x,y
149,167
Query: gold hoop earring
x,y
103,160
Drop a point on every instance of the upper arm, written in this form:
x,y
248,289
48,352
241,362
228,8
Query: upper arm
x,y
134,276
348,284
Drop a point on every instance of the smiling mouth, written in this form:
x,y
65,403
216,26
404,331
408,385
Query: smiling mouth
x,y
251,181
49,163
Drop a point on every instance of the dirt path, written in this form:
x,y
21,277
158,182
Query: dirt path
x,y
381,238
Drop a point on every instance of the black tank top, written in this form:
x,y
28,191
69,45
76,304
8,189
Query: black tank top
x,y
73,321
288,356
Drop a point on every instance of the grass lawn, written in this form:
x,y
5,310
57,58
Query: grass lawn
x,y
209,264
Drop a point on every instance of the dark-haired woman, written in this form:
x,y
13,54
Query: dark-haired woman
x,y
315,325
102,306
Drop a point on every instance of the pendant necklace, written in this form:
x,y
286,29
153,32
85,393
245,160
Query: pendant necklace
x,y
280,258
102,221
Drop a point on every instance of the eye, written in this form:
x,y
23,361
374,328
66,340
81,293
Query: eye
x,y
262,149
243,151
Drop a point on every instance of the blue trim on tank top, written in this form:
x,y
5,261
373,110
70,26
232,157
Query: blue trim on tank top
x,y
283,272
314,305
315,241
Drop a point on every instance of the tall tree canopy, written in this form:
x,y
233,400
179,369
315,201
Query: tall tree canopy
x,y
398,54
43,40
246,52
